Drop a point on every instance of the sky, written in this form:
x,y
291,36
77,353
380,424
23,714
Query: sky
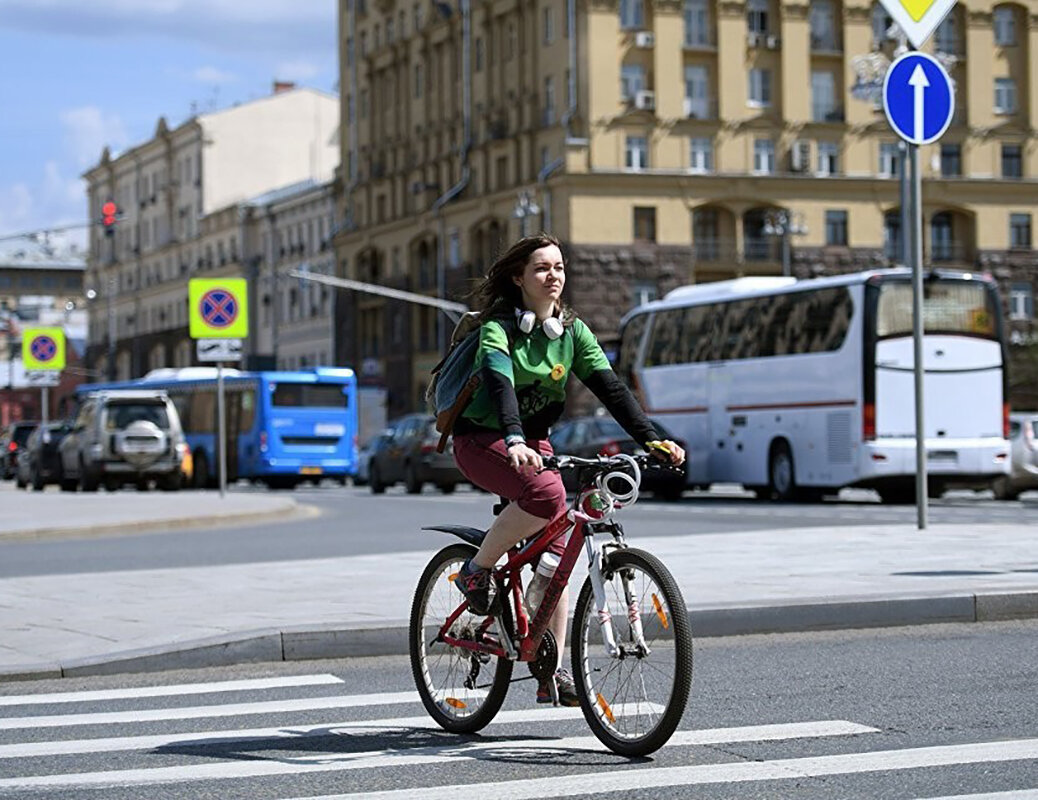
x,y
76,76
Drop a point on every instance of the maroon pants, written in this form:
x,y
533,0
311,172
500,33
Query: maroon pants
x,y
483,459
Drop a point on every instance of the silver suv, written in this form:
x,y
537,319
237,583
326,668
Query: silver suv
x,y
1023,445
122,436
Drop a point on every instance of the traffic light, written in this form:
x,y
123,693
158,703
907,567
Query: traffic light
x,y
109,214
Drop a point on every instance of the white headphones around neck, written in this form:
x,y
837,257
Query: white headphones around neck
x,y
552,326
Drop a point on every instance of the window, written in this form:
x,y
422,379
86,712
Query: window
x,y
763,156
823,25
760,88
632,81
1020,231
636,152
881,23
419,80
644,292
545,157
1021,301
828,158
951,160
757,16
549,25
502,172
889,159
1005,96
697,103
701,155
632,14
941,244
823,96
1012,161
892,236
697,23
1005,27
946,37
453,248
645,223
480,54
836,228
549,101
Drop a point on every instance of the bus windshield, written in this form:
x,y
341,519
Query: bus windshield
x,y
309,395
955,307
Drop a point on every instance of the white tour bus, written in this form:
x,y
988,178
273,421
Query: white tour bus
x,y
793,388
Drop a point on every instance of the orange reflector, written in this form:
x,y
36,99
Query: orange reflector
x,y
606,709
659,611
453,576
454,702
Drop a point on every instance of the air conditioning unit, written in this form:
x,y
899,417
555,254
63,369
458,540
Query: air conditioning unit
x,y
773,42
645,100
800,156
645,39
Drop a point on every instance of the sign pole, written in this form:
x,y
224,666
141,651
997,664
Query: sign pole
x,y
221,444
45,400
921,498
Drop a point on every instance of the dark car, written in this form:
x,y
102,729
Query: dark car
x,y
588,437
13,442
406,451
40,462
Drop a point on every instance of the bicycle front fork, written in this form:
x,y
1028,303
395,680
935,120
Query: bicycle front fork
x,y
605,618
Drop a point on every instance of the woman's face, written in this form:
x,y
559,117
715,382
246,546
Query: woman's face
x,y
543,278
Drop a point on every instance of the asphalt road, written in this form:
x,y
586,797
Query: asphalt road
x,y
899,713
399,518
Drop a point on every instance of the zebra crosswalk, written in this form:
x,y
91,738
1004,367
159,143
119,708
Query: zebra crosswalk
x,y
167,741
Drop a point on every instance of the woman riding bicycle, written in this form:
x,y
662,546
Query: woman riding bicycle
x,y
529,343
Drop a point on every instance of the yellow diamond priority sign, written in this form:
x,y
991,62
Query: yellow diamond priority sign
x,y
218,308
918,18
43,349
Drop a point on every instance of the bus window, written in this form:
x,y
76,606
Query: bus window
x,y
309,395
666,335
202,411
630,339
956,307
248,409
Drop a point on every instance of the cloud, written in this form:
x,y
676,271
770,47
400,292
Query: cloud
x,y
298,70
16,207
53,199
88,130
213,75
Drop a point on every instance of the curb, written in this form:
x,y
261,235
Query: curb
x,y
286,509
301,643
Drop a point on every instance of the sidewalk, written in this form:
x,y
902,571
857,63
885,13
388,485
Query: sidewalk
x,y
781,580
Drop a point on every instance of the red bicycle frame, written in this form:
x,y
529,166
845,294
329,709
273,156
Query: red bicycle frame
x,y
509,577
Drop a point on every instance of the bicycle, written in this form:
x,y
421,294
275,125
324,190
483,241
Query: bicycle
x,y
631,636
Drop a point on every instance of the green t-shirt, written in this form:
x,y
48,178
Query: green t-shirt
x,y
537,367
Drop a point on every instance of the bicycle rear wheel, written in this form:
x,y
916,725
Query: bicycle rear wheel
x,y
633,701
462,690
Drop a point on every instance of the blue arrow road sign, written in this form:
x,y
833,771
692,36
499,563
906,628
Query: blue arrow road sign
x,y
918,98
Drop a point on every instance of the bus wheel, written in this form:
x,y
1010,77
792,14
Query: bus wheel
x,y
781,480
201,474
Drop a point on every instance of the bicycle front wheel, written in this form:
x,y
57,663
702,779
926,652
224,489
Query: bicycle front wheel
x,y
634,699
461,689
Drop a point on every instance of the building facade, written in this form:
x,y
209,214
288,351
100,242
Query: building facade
x,y
182,197
666,143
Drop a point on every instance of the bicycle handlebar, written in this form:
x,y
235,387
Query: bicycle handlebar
x,y
561,462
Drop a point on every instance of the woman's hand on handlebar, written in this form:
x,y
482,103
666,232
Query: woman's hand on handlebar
x,y
522,457
667,450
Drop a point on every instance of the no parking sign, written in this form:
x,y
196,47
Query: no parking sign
x,y
43,349
218,308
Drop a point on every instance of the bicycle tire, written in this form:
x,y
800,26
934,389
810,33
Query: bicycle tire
x,y
667,632
423,663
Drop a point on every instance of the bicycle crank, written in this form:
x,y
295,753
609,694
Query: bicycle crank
x,y
547,660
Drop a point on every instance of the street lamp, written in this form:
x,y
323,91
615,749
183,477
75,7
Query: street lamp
x,y
784,223
525,207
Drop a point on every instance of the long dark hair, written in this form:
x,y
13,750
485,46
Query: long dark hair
x,y
497,293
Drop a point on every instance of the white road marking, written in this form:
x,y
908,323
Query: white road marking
x,y
1022,794
201,712
379,759
169,690
738,772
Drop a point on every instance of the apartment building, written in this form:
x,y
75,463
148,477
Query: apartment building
x,y
666,143
182,198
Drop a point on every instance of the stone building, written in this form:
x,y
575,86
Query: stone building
x,y
181,197
666,143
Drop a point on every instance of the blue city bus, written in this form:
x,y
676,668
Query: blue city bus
x,y
282,427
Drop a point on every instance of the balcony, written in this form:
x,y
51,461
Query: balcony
x,y
825,112
945,252
700,107
712,249
825,43
763,248
699,39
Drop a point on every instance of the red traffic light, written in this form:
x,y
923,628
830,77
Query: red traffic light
x,y
109,213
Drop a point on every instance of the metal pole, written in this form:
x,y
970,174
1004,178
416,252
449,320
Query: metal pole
x,y
111,328
903,249
45,400
917,337
221,444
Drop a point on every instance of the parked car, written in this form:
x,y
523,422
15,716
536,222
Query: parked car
x,y
122,436
12,444
40,462
1023,455
588,437
364,458
406,451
